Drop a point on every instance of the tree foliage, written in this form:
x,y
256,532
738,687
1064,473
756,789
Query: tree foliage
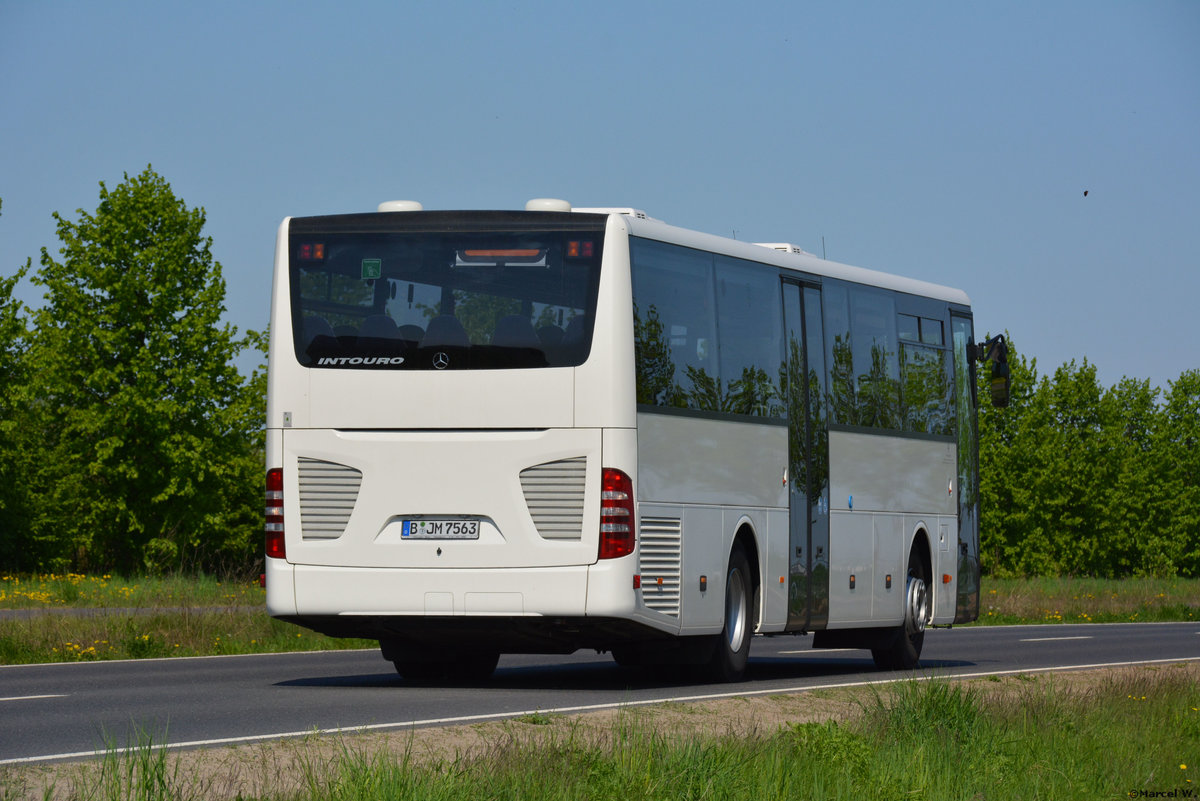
x,y
147,437
128,441
1079,479
13,365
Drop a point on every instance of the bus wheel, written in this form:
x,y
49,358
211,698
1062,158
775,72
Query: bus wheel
x,y
732,648
904,650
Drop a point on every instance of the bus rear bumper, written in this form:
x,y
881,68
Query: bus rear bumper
x,y
392,592
533,610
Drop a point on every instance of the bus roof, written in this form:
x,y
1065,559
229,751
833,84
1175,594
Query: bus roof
x,y
801,261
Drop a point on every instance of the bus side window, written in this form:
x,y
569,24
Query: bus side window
x,y
673,298
748,309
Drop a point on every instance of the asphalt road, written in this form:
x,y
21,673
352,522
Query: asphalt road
x,y
71,710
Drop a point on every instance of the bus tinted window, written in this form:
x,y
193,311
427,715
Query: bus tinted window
x,y
443,300
675,326
890,367
925,386
749,326
875,357
707,330
843,399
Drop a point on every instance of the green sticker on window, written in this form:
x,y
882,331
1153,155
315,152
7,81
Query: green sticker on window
x,y
372,268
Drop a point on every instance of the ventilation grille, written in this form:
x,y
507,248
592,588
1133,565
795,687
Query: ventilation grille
x,y
660,563
554,494
327,495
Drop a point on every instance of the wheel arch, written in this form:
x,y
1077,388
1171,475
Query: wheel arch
x,y
921,544
746,537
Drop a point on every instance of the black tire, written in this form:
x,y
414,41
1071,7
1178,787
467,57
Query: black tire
x,y
903,652
731,650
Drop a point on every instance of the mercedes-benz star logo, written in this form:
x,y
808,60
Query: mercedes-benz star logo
x,y
440,360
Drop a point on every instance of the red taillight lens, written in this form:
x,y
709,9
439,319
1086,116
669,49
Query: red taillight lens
x,y
274,519
617,533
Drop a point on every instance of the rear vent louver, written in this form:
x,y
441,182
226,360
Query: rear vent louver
x,y
554,494
327,494
660,563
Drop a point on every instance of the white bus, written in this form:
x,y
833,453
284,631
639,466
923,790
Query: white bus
x,y
544,430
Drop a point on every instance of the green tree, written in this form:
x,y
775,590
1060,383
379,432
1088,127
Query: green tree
x,y
1009,514
1173,545
13,366
142,416
1071,471
1129,477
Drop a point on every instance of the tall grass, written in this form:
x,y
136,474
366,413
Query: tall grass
x,y
75,590
1104,735
71,617
184,632
1088,600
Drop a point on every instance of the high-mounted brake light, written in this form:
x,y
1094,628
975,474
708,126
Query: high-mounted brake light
x,y
504,253
617,529
274,516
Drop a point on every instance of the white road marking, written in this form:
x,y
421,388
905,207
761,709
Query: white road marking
x,y
30,697
571,710
1053,639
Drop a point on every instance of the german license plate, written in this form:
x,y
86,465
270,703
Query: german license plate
x,y
434,528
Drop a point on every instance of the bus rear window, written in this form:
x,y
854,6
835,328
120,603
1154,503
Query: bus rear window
x,y
442,299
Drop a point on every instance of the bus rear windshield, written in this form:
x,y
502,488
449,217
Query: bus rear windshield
x,y
495,294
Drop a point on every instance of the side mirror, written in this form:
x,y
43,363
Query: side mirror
x,y
995,350
1001,384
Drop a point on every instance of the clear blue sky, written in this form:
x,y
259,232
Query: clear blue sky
x,y
948,141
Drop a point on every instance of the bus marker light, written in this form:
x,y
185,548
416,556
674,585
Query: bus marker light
x,y
660,581
945,578
577,248
637,582
704,584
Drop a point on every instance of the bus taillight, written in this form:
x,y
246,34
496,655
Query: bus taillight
x,y
616,514
274,518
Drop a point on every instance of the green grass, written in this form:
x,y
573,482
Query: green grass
x,y
187,632
73,590
1110,735
137,618
201,616
1088,600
